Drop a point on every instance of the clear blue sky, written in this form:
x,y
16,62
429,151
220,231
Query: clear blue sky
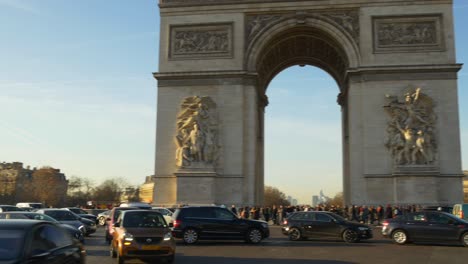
x,y
77,93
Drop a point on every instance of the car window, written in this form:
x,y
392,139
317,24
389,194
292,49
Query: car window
x,y
202,212
302,216
11,243
48,237
61,215
417,217
322,217
12,216
162,211
438,218
223,214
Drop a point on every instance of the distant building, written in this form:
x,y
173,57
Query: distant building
x,y
294,202
19,184
465,187
147,190
315,200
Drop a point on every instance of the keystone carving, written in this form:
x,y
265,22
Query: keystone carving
x,y
411,129
197,133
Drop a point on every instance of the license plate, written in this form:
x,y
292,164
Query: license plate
x,y
149,247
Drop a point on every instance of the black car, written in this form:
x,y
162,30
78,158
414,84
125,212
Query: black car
x,y
82,213
321,224
65,216
74,232
426,226
211,222
26,241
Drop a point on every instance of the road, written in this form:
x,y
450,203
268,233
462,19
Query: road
x,y
278,250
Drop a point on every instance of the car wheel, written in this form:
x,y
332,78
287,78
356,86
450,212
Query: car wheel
x,y
464,239
102,221
170,259
113,253
350,236
190,236
254,236
399,237
120,259
294,234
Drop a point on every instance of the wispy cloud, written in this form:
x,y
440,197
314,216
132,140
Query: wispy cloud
x,y
21,5
107,39
21,134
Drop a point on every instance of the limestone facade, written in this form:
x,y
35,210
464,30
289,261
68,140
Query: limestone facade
x,y
229,51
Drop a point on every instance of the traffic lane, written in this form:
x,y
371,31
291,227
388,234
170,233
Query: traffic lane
x,y
277,249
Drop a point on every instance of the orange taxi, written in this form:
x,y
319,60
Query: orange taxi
x,y
142,234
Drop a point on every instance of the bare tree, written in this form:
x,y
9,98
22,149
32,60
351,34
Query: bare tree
x,y
273,196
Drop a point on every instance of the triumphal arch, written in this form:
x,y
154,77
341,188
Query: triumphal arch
x,y
393,60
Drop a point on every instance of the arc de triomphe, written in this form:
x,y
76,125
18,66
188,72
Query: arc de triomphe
x,y
393,60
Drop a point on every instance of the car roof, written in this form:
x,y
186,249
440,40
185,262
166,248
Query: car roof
x,y
19,223
138,211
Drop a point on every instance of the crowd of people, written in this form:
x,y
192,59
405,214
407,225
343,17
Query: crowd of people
x,y
363,214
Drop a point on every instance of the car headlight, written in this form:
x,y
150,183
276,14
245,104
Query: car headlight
x,y
363,228
265,225
128,237
167,236
82,229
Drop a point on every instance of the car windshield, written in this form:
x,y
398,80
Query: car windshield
x,y
41,217
78,211
163,211
60,215
143,219
10,208
11,243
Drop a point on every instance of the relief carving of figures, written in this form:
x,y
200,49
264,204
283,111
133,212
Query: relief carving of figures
x,y
200,41
197,132
416,33
256,23
349,20
411,128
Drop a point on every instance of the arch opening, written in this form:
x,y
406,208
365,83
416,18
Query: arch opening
x,y
301,46
303,136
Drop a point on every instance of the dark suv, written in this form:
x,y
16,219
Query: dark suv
x,y
211,222
321,224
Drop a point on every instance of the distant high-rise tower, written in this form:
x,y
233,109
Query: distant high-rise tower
x,y
315,200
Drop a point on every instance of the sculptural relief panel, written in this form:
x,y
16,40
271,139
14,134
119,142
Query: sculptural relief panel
x,y
197,134
201,41
348,20
406,34
411,129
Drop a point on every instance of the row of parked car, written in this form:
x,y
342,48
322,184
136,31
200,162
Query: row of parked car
x,y
49,235
149,233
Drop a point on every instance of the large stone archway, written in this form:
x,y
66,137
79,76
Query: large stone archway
x,y
393,60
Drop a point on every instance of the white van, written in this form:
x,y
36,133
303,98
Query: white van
x,y
31,206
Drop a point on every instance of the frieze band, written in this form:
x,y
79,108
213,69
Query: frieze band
x,y
191,41
407,34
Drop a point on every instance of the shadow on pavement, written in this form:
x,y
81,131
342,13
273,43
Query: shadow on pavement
x,y
231,260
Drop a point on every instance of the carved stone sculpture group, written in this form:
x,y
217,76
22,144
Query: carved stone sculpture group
x,y
411,130
197,133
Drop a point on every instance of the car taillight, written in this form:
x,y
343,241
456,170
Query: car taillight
x,y
462,216
385,223
177,223
285,222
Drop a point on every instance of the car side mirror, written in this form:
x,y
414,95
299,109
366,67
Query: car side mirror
x,y
171,225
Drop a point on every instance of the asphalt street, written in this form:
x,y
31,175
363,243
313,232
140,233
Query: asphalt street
x,y
279,250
